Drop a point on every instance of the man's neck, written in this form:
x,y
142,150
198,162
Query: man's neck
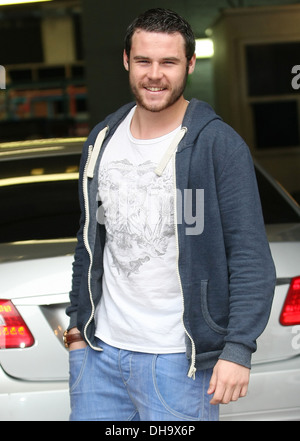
x,y
149,125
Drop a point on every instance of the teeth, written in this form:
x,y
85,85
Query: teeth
x,y
154,89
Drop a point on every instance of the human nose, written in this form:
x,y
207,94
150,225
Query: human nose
x,y
155,72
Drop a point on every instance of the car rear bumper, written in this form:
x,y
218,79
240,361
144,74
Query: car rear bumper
x,y
33,401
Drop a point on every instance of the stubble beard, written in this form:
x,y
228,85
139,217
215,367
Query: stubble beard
x,y
175,95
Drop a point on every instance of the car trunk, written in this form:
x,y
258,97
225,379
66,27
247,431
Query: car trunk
x,y
39,293
278,342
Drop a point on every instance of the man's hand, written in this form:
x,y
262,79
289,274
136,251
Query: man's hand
x,y
229,382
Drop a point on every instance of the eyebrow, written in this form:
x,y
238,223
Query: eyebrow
x,y
141,57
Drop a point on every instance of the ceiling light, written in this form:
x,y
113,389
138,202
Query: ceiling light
x,y
204,48
20,2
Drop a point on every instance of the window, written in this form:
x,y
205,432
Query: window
x,y
269,68
276,124
25,41
274,103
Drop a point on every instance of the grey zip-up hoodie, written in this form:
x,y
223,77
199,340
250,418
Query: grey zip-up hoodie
x,y
225,268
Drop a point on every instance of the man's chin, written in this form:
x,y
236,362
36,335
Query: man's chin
x,y
153,108
156,107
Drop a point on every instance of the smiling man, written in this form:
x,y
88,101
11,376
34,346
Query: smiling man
x,y
164,316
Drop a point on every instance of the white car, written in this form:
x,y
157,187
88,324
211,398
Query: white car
x,y
38,224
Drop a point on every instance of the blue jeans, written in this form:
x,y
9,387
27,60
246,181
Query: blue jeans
x,y
119,385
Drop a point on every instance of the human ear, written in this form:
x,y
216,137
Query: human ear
x,y
126,60
192,64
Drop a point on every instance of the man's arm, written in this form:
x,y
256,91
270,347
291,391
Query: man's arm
x,y
251,269
251,274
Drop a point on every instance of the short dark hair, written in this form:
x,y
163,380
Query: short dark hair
x,y
162,20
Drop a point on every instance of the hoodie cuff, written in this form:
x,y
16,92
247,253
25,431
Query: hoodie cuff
x,y
237,353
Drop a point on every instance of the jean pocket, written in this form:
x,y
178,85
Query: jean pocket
x,y
77,362
183,397
205,310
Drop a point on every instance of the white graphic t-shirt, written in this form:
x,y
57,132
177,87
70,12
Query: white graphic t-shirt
x,y
141,307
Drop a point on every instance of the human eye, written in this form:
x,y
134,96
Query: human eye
x,y
142,61
169,62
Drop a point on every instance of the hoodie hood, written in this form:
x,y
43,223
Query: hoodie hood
x,y
197,116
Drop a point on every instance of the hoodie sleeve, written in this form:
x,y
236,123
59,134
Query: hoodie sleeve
x,y
250,266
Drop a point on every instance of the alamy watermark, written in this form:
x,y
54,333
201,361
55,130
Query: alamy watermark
x,y
296,78
296,338
130,206
2,77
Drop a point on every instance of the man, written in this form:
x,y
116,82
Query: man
x,y
173,278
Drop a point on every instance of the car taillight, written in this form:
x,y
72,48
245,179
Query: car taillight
x,y
14,332
290,314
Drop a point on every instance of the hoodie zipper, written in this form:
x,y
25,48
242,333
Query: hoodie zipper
x,y
89,172
192,369
86,242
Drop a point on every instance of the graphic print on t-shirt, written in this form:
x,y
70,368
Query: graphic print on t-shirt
x,y
138,208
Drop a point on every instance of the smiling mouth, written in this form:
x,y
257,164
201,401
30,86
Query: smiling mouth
x,y
155,89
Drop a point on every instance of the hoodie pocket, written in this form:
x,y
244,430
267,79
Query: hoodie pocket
x,y
206,314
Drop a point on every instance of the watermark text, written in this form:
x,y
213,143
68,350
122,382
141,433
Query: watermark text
x,y
296,338
296,78
2,77
124,205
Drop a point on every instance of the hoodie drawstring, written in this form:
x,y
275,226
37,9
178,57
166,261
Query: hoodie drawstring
x,y
169,152
95,153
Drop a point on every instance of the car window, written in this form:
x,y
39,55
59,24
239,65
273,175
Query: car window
x,y
39,198
277,206
45,210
